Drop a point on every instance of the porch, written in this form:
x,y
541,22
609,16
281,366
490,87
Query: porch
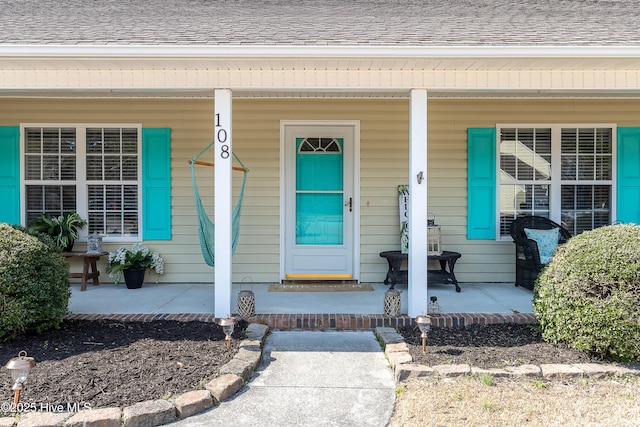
x,y
476,303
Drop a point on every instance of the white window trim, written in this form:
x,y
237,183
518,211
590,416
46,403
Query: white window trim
x,y
556,153
81,179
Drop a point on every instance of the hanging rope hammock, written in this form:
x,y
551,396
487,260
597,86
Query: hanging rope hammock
x,y
206,227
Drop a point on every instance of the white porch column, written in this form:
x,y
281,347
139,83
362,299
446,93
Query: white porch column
x,y
417,298
223,200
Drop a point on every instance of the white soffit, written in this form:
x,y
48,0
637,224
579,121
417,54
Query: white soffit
x,y
318,72
53,57
291,94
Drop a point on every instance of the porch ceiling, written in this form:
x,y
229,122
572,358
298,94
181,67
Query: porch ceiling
x,y
318,72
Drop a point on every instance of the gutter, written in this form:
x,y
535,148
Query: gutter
x,y
292,52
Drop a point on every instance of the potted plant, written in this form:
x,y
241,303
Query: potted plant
x,y
132,264
63,229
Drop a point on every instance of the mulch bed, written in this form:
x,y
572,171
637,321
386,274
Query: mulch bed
x,y
490,346
104,363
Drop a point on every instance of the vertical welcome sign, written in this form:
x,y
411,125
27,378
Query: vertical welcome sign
x,y
403,203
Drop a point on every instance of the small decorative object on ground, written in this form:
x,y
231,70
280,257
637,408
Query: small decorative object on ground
x,y
63,229
138,257
246,303
433,306
392,303
424,323
228,324
20,367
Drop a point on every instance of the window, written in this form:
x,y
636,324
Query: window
x,y
94,170
562,172
320,145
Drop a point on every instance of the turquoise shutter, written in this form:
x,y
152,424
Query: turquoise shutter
x,y
481,183
628,181
156,184
10,174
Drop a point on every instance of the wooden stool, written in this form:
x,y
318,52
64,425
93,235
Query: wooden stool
x,y
90,260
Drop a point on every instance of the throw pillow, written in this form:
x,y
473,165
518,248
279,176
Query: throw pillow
x,y
547,241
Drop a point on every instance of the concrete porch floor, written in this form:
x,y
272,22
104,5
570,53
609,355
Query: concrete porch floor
x,y
153,298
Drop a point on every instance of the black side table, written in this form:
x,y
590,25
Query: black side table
x,y
446,259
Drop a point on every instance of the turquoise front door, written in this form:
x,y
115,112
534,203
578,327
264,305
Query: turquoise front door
x,y
319,202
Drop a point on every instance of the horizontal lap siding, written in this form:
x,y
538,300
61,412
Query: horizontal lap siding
x,y
447,174
482,260
384,164
190,123
383,151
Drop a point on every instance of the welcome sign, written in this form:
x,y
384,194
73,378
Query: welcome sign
x,y
403,203
434,243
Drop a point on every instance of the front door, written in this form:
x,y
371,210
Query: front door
x,y
319,209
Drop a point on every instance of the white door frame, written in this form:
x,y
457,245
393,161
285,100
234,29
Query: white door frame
x,y
355,167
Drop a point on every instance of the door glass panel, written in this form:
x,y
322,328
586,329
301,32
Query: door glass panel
x,y
319,219
319,191
319,168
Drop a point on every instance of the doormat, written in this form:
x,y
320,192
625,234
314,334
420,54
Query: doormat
x,y
320,287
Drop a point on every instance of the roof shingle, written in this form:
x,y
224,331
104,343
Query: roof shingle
x,y
321,23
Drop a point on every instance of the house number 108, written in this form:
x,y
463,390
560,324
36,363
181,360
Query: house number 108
x,y
221,137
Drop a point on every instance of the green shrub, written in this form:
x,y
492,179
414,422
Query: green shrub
x,y
43,237
589,295
34,283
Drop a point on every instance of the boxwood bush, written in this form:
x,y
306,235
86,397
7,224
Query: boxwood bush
x,y
34,283
589,295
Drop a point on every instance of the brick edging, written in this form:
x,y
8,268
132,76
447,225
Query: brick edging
x,y
329,321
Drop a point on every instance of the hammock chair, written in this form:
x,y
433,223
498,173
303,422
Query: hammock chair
x,y
205,225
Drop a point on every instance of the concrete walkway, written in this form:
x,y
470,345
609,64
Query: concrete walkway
x,y
312,379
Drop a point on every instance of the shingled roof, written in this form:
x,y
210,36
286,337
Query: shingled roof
x,y
321,23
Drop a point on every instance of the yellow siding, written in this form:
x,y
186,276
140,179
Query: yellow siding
x,y
489,261
384,151
384,165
